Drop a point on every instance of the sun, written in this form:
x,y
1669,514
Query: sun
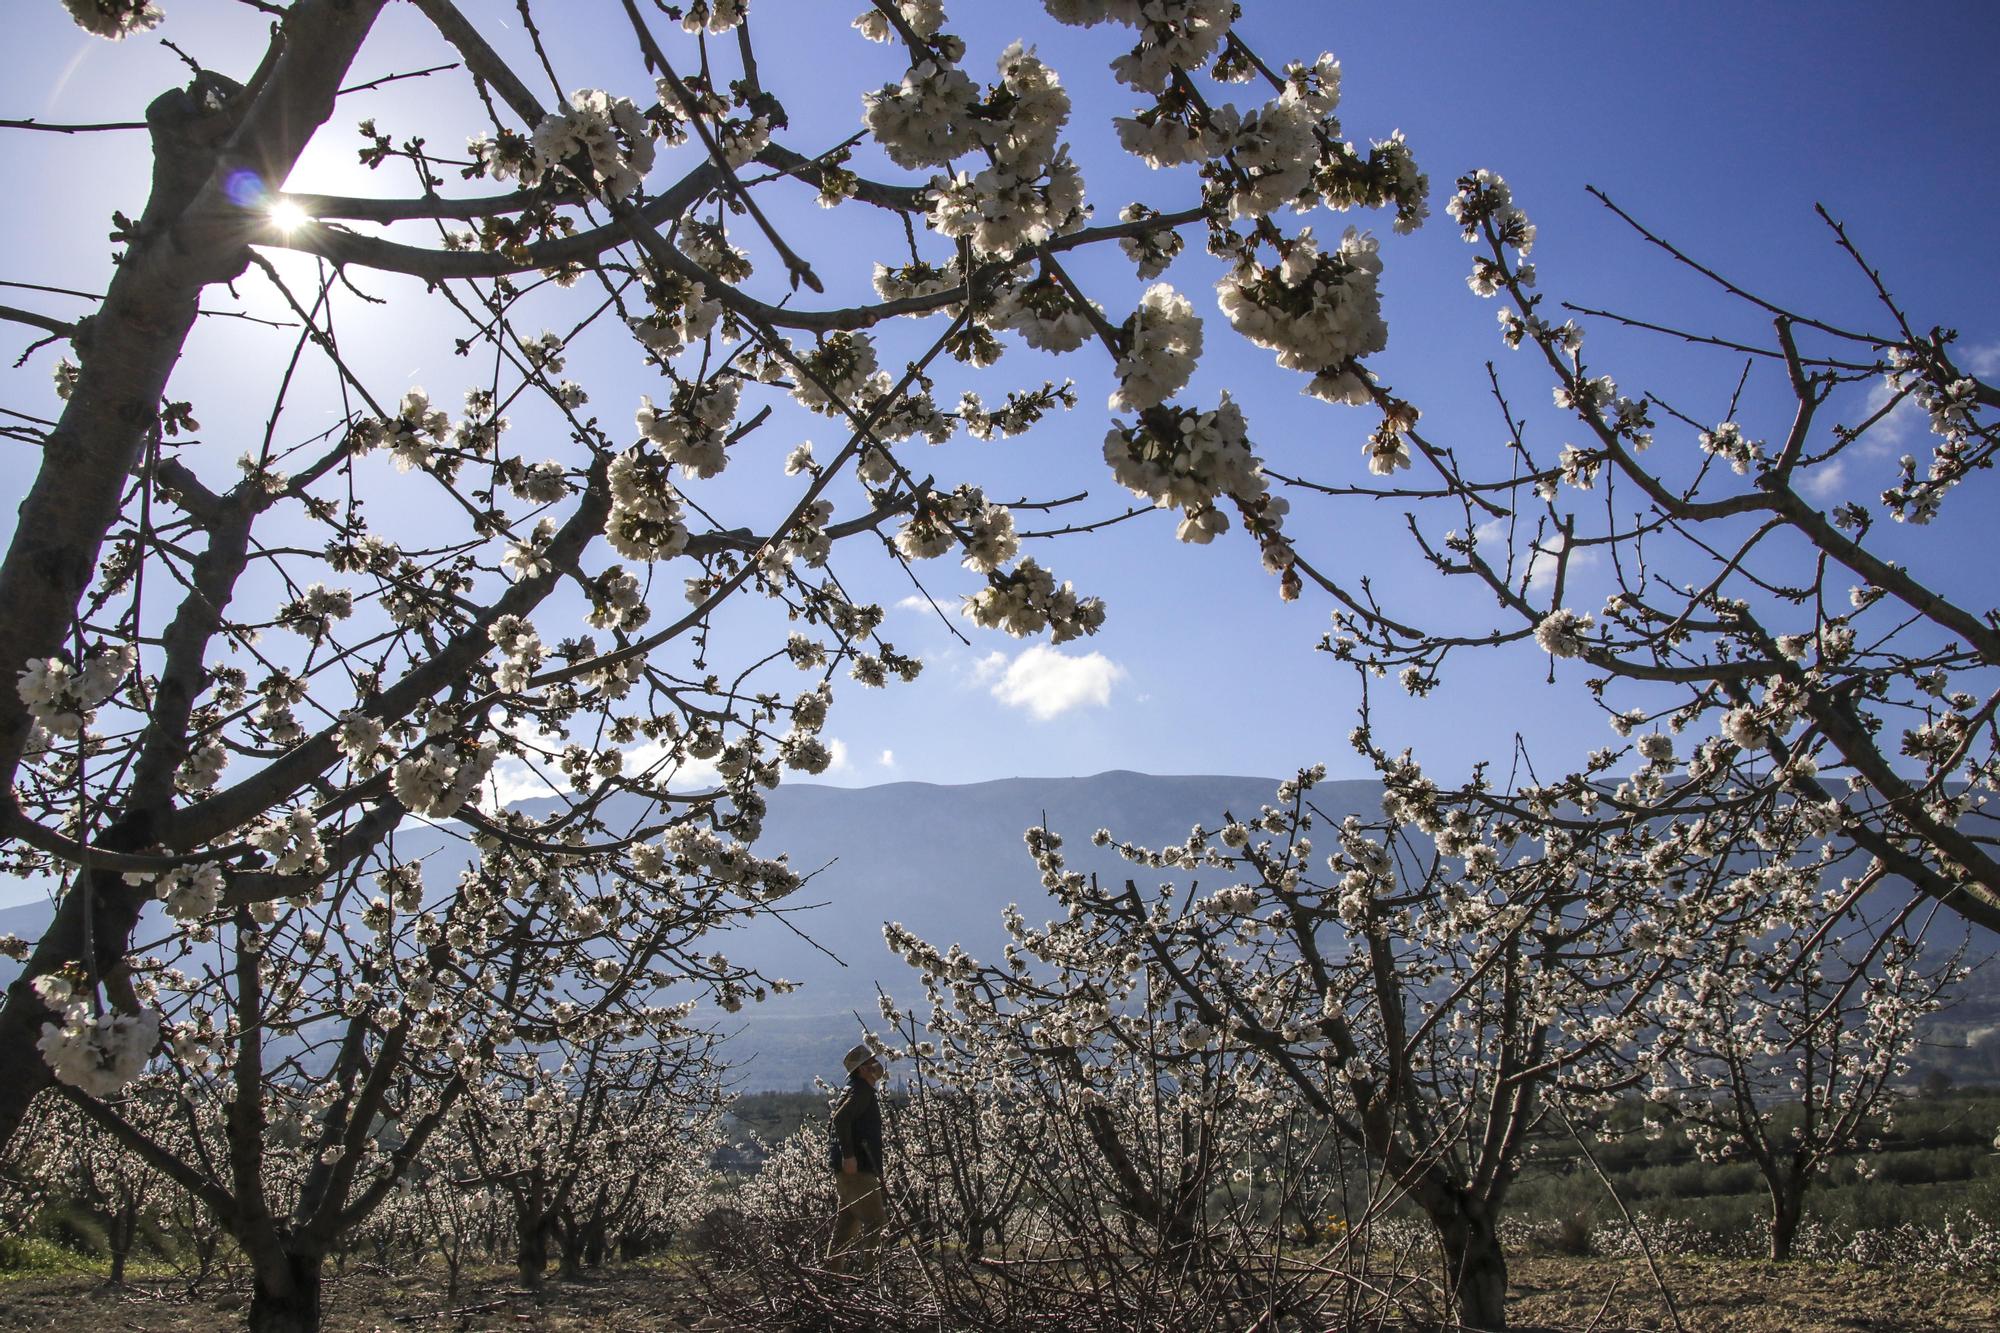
x,y
288,217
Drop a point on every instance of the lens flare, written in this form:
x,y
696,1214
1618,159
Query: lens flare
x,y
244,187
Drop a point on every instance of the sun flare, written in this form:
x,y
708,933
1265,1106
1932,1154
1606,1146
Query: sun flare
x,y
288,217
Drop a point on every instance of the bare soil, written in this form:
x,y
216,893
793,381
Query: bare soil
x,y
624,1300
1598,1295
1748,1296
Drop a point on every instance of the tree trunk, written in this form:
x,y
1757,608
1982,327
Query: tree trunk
x,y
285,1298
191,234
569,1246
1788,1199
120,1235
1475,1265
531,1255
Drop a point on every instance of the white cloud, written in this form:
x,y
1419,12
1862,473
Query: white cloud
x,y
1905,419
1823,482
888,759
1542,560
512,780
838,749
1047,682
914,603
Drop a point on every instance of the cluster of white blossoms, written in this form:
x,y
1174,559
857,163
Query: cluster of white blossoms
x,y
503,156
707,244
921,17
1728,443
1562,632
917,278
1484,204
705,854
202,768
1028,600
803,751
290,838
1044,314
926,120
189,893
646,521
805,540
1319,311
683,312
438,778
411,436
311,614
1000,211
1948,399
836,372
1168,134
1180,458
1163,342
521,652
616,600
98,1053
114,19
1028,192
1171,32
737,138
713,17
965,515
608,131
694,426
937,115
358,737
1275,148
62,699
1151,251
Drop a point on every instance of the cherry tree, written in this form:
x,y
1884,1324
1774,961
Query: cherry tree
x,y
1767,638
315,1047
1479,965
92,1170
966,1156
582,1144
435,1211
238,686
1789,1040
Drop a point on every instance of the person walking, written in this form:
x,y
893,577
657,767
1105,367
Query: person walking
x,y
856,1154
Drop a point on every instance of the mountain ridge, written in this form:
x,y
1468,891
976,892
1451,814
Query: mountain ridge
x,y
943,860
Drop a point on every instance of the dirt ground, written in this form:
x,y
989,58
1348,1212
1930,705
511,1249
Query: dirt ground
x,y
1599,1295
623,1301
1748,1296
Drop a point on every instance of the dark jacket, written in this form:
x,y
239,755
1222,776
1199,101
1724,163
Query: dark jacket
x,y
857,1127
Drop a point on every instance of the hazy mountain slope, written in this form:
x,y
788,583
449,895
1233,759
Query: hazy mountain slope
x,y
944,861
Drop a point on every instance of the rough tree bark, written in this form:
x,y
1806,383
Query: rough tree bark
x,y
1475,1264
285,1295
1788,1198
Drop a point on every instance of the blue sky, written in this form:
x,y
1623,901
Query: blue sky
x,y
1719,125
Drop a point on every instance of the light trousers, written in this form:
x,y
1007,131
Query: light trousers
x,y
857,1227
